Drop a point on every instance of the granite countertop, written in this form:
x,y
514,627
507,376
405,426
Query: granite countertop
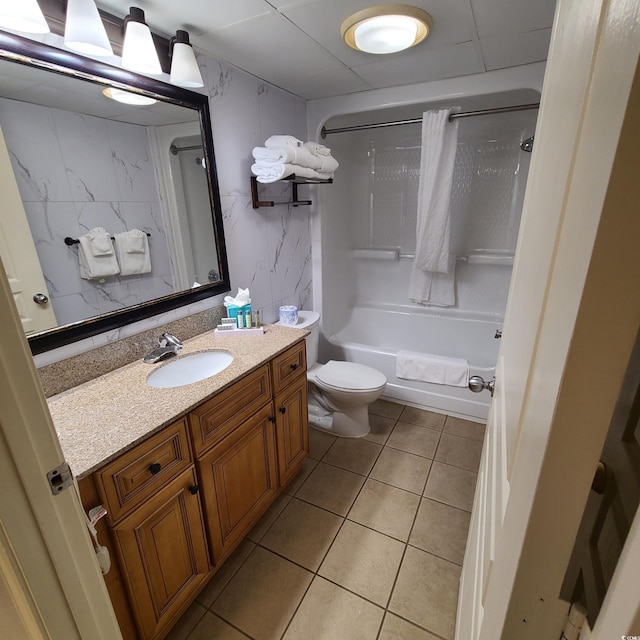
x,y
102,418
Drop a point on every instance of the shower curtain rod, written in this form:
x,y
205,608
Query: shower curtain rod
x,y
176,150
465,114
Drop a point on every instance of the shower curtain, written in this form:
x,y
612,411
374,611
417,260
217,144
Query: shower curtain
x,y
432,279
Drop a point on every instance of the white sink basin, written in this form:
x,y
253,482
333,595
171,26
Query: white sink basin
x,y
188,369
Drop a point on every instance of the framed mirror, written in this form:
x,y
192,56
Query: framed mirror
x,y
81,161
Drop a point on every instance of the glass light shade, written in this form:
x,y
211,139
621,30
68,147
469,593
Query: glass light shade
x,y
22,15
386,34
127,97
184,67
84,31
138,51
386,28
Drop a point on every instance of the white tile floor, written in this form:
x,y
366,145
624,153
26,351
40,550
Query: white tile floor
x,y
366,543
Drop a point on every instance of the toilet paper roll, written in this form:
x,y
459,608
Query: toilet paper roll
x,y
289,315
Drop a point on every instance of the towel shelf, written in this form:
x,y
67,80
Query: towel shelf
x,y
295,181
71,241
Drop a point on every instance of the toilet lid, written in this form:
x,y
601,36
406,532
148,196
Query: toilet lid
x,y
350,375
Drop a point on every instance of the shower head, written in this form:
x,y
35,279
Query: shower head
x,y
527,145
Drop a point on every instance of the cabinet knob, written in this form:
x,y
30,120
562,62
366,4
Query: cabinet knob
x,y
294,366
155,468
193,489
282,410
272,418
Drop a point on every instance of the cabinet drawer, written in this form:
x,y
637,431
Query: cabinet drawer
x,y
288,366
216,418
128,481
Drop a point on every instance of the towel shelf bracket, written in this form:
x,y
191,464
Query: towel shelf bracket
x,y
295,202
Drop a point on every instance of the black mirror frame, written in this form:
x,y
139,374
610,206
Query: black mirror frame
x,y
28,52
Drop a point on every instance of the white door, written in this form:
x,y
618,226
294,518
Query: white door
x,y
50,582
19,254
572,316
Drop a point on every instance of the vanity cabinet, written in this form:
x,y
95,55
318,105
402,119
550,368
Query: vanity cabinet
x,y
179,502
291,412
151,494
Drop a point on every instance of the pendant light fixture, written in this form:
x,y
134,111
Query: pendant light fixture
x,y
22,15
138,51
387,28
184,66
84,31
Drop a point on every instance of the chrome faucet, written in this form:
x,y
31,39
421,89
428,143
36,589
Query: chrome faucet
x,y
168,345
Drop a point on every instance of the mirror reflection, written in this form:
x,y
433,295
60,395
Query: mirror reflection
x,y
82,161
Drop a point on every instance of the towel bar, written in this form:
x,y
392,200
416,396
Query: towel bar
x,y
71,241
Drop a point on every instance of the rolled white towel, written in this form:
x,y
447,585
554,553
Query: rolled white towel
x,y
282,141
317,148
292,155
266,173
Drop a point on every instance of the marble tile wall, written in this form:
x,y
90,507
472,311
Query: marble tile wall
x,y
269,249
76,172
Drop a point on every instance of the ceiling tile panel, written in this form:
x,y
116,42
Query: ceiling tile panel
x,y
196,16
446,62
321,19
495,17
509,50
273,49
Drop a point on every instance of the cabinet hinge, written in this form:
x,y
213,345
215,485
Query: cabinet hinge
x,y
60,478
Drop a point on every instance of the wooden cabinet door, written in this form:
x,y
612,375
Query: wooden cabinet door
x,y
238,478
292,430
162,548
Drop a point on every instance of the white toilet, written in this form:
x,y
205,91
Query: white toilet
x,y
339,392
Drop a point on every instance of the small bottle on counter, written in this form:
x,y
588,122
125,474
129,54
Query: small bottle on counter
x,y
240,320
257,322
247,319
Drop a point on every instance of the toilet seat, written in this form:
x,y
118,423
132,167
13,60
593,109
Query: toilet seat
x,y
349,376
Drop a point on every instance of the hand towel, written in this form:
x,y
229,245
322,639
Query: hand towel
x,y
295,155
267,173
95,255
317,149
282,141
132,250
426,367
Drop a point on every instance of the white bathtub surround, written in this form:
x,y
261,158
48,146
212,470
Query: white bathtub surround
x,y
426,367
432,278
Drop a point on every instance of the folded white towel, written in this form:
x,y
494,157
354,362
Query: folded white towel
x,y
317,148
425,367
95,255
132,249
272,172
282,141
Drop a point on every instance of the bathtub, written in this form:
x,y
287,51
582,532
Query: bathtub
x,y
451,333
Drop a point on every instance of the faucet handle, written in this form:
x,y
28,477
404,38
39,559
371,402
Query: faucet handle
x,y
168,339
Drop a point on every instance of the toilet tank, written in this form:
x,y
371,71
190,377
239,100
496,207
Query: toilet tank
x,y
310,320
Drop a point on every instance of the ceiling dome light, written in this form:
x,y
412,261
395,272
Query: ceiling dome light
x,y
25,16
127,97
138,51
387,28
84,31
184,66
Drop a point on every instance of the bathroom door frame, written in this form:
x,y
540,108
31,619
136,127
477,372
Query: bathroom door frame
x,y
571,321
